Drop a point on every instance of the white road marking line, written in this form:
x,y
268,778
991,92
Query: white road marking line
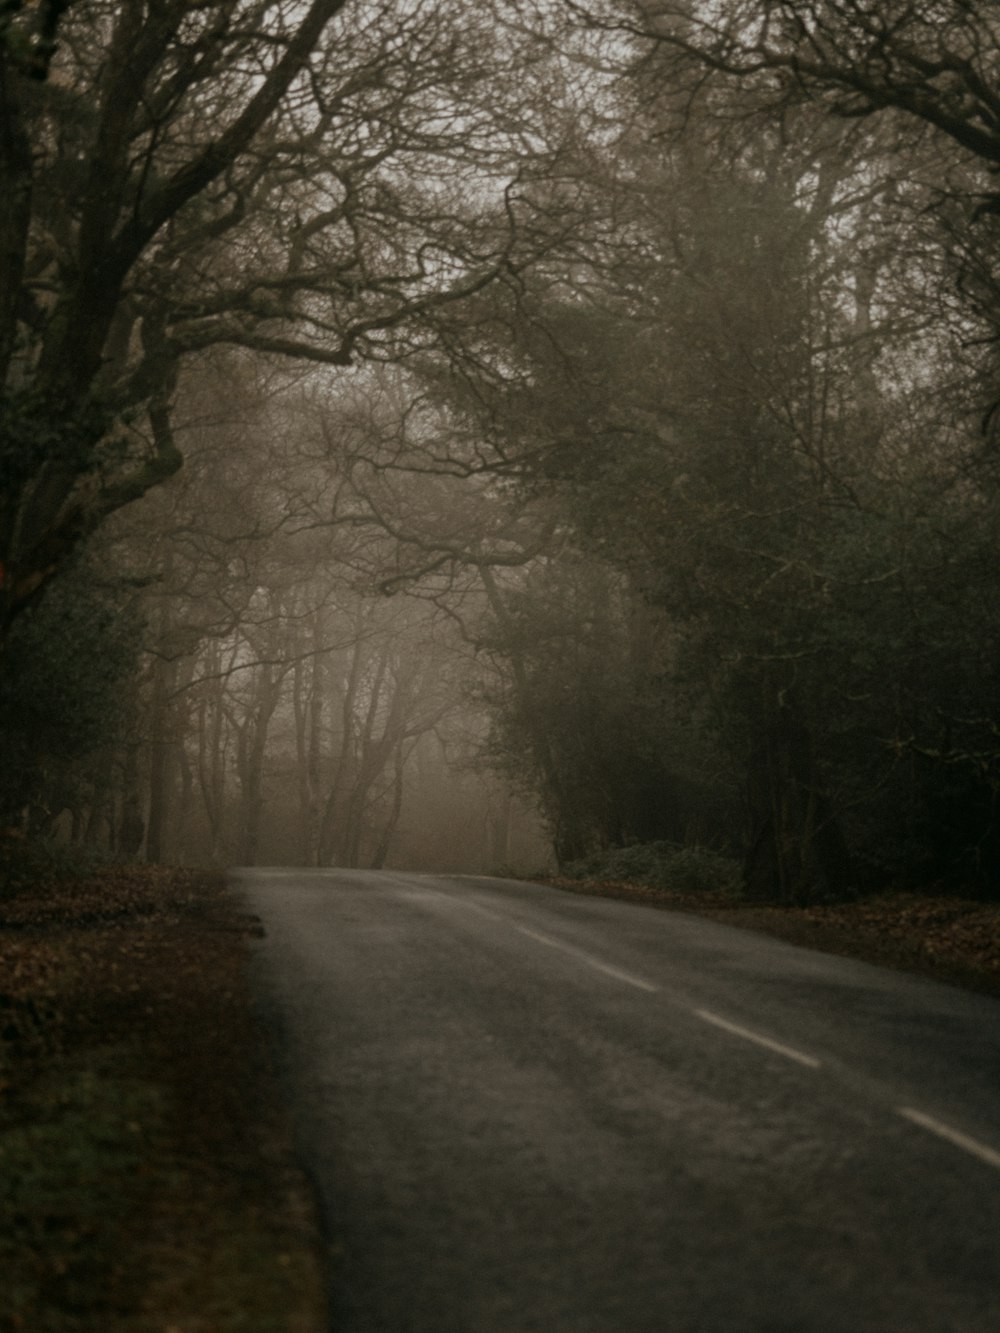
x,y
478,909
988,1155
447,899
759,1038
587,958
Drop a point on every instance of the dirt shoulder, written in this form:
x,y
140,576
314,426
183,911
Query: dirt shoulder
x,y
147,1177
954,940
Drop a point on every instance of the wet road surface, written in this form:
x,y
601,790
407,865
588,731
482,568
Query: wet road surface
x,y
529,1110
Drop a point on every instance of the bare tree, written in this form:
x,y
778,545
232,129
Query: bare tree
x,y
315,181
935,60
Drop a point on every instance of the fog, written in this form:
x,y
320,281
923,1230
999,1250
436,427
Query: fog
x,y
504,436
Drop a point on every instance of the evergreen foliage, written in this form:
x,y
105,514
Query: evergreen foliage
x,y
65,692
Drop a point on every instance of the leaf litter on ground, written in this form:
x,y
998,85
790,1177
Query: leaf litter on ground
x,y
148,1178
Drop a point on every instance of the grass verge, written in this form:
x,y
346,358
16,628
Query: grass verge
x,y
148,1182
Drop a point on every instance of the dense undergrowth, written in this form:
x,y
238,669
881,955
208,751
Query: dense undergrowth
x,y
662,865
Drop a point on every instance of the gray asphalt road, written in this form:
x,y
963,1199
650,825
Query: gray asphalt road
x,y
528,1110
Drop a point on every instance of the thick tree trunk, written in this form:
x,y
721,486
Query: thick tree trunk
x,y
161,762
131,826
251,749
796,851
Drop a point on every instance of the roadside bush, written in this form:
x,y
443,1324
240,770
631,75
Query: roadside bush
x,y
65,692
33,863
663,865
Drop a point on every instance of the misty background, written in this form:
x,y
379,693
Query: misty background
x,y
480,437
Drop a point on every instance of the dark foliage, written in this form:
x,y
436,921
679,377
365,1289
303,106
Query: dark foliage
x,y
65,692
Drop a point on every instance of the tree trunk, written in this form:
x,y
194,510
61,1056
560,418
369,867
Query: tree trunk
x,y
213,747
251,749
131,829
161,762
499,832
308,700
385,837
796,851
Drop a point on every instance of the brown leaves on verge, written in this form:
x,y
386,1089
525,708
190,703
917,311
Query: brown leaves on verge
x,y
956,940
146,1173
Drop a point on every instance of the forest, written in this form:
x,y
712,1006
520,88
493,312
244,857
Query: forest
x,y
504,435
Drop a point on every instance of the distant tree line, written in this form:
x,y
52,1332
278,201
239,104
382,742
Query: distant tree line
x,y
222,683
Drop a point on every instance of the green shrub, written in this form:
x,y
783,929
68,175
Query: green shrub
x,y
663,865
29,863
65,690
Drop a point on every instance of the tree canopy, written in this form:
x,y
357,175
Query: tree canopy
x,y
603,388
309,182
